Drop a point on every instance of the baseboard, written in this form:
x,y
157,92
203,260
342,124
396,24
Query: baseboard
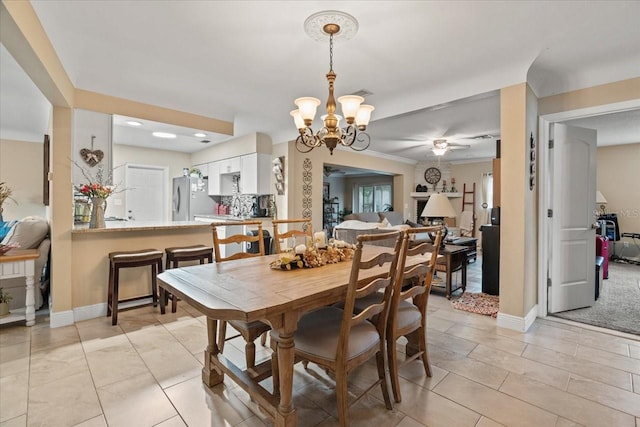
x,y
90,311
60,318
93,311
521,324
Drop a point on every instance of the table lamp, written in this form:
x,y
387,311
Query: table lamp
x,y
436,210
600,200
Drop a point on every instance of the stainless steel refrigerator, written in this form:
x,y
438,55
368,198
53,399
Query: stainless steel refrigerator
x,y
190,198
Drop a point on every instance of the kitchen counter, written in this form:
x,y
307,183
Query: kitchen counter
x,y
214,217
114,226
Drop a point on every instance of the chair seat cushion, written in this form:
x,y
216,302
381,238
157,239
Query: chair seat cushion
x,y
408,314
319,331
257,327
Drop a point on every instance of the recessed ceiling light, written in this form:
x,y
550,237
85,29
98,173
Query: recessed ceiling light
x,y
200,135
164,135
133,123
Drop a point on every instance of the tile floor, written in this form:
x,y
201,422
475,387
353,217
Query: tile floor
x,y
146,372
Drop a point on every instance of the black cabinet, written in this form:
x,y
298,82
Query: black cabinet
x,y
490,259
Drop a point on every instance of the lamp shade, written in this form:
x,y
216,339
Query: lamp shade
x,y
350,105
297,118
438,206
600,198
307,107
364,115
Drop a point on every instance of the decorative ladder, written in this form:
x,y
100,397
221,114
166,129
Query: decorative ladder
x,y
471,204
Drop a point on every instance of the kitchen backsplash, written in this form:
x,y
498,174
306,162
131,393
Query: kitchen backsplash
x,y
246,204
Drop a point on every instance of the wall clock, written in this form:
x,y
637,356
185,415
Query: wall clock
x,y
432,175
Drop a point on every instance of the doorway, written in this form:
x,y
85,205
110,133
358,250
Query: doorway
x,y
545,237
147,192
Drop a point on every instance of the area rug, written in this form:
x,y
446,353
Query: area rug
x,y
477,303
618,307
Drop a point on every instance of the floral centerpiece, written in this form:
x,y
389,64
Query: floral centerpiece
x,y
97,190
303,256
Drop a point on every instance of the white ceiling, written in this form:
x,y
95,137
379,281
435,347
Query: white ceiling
x,y
247,61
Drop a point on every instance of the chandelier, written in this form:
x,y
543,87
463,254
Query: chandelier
x,y
356,114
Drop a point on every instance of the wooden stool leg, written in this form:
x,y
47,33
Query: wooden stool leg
x,y
114,301
110,291
154,284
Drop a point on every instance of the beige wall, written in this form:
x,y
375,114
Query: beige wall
x,y
617,179
470,173
625,90
21,168
518,221
319,156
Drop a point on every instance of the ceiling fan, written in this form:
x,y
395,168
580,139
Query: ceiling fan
x,y
441,146
330,170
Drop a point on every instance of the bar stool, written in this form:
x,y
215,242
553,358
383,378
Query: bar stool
x,y
175,255
130,259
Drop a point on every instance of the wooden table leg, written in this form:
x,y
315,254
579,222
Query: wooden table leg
x,y
448,282
286,414
211,375
30,311
464,272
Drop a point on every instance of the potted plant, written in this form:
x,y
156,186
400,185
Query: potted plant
x,y
4,302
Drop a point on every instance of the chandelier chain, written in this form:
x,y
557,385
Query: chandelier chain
x,y
330,52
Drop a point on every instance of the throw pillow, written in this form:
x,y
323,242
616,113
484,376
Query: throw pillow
x,y
412,224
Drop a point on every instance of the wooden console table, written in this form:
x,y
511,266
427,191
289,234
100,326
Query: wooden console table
x,y
455,259
21,263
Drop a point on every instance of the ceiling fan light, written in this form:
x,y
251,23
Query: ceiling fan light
x,y
350,105
364,115
439,151
307,107
297,118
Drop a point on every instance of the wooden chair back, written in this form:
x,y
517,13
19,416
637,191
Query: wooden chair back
x,y
237,238
377,312
421,274
279,235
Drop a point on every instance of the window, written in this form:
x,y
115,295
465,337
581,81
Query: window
x,y
374,197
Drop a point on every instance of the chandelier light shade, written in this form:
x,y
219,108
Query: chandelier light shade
x,y
355,113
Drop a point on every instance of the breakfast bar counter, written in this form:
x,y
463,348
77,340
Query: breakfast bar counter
x,y
90,250
112,226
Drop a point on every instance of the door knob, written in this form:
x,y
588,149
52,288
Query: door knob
x,y
595,225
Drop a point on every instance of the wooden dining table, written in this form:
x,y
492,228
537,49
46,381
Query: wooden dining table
x,y
248,289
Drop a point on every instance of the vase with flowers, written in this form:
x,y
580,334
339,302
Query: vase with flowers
x,y
97,191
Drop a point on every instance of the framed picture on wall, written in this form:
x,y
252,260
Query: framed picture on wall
x,y
45,171
325,191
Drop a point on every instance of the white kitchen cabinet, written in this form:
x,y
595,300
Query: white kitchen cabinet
x,y
213,172
231,165
255,174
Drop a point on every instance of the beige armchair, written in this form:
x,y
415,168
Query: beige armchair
x,y
29,233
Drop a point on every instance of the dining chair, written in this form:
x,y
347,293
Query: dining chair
x,y
248,330
340,340
408,307
279,236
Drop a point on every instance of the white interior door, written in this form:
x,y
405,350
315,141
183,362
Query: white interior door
x,y
147,193
573,184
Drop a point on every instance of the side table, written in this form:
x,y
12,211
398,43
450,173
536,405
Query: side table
x,y
21,263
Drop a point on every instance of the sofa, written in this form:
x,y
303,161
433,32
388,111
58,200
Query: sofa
x,y
356,224
29,233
